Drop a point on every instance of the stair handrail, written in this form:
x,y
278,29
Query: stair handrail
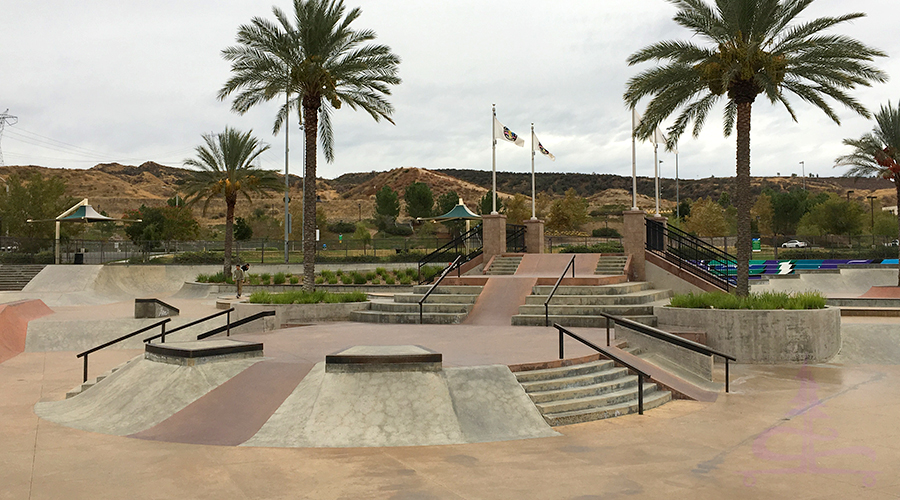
x,y
162,336
457,262
456,242
547,302
515,238
667,337
161,324
240,322
659,241
640,373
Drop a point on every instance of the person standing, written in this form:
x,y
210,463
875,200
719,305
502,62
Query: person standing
x,y
238,279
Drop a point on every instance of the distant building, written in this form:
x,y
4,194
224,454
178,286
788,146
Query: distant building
x,y
892,210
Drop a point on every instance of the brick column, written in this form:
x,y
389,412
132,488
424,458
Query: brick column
x,y
494,234
634,238
534,236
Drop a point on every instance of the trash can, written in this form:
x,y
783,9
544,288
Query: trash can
x,y
79,258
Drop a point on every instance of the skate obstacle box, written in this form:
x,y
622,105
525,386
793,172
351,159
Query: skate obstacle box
x,y
396,358
153,308
202,351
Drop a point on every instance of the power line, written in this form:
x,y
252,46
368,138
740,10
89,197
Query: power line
x,y
5,118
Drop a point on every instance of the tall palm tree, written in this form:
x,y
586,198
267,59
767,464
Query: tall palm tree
x,y
227,171
320,63
878,152
751,47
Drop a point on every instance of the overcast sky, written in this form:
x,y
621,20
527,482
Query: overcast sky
x,y
121,81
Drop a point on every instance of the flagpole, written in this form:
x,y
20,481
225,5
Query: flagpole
x,y
494,157
533,210
656,172
677,197
633,163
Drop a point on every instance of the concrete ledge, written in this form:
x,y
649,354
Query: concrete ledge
x,y
764,336
202,351
384,359
294,314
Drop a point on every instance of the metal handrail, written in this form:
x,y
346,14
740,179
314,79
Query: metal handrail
x,y
515,238
672,244
640,373
547,302
236,324
162,336
456,243
667,337
161,324
457,262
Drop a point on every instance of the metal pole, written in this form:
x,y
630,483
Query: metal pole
x,y
533,210
656,174
85,368
633,162
726,375
287,180
640,394
677,195
561,354
228,324
494,158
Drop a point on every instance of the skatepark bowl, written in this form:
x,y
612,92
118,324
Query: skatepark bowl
x,y
406,411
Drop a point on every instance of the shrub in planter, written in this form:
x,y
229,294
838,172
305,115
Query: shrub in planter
x,y
346,279
332,280
359,279
320,280
265,278
296,279
278,279
605,232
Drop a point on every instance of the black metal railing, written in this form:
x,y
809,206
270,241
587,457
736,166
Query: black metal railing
x,y
666,337
552,292
455,264
240,322
468,245
162,336
691,253
161,324
515,238
640,374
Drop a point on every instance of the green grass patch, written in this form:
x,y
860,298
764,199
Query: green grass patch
x,y
301,297
765,300
278,279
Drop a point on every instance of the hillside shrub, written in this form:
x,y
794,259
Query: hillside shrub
x,y
342,227
606,232
765,300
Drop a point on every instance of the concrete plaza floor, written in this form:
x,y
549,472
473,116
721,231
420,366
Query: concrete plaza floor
x,y
821,431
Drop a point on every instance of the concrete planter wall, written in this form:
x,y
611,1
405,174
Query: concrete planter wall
x,y
764,336
293,314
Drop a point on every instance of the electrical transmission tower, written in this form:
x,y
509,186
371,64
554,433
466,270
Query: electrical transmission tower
x,y
6,118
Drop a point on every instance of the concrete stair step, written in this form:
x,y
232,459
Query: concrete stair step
x,y
399,307
563,371
652,400
435,298
617,289
78,389
587,391
580,380
583,321
448,289
406,318
641,297
623,395
572,310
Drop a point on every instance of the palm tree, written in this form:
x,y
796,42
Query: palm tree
x,y
227,171
752,47
878,152
319,63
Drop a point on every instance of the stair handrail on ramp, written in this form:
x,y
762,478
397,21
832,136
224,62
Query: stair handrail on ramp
x,y
547,302
240,322
162,336
666,337
457,262
161,324
641,374
689,252
468,245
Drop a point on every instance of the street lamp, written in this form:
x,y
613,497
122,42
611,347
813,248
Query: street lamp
x,y
872,211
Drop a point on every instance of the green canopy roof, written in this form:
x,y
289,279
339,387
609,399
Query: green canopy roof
x,y
459,212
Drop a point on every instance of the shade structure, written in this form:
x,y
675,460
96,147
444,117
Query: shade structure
x,y
86,213
459,212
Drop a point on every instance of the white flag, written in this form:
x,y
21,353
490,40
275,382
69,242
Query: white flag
x,y
657,137
540,147
501,132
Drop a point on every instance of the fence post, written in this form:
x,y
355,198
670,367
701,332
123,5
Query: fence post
x,y
228,324
85,367
561,338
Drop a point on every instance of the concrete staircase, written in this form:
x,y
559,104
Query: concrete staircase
x,y
611,264
78,389
14,277
446,305
504,265
587,391
577,306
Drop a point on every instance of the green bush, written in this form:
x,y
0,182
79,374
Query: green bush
x,y
278,279
608,247
332,280
339,273
253,279
389,280
370,276
606,232
376,281
342,227
327,274
320,280
381,271
202,257
265,278
405,280
296,279
302,297
359,279
219,277
429,272
765,300
398,230
346,279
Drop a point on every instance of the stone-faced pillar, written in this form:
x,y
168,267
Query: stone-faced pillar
x,y
534,236
634,238
493,231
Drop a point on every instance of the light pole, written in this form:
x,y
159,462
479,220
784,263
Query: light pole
x,y
849,240
872,212
803,173
848,195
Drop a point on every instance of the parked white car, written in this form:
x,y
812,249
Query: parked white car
x,y
794,244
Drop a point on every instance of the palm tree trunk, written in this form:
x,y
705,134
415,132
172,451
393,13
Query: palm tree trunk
x,y
742,199
310,128
897,185
229,231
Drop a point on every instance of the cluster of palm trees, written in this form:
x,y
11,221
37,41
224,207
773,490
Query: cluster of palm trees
x,y
317,62
745,48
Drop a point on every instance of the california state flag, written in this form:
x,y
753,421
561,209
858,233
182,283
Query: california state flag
x,y
503,133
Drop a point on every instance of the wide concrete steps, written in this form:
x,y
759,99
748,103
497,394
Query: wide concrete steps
x,y
78,389
447,305
587,391
14,277
504,266
575,320
642,297
616,289
579,309
581,306
611,264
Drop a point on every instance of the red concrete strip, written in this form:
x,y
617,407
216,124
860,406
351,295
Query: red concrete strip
x,y
882,292
14,318
499,301
233,412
